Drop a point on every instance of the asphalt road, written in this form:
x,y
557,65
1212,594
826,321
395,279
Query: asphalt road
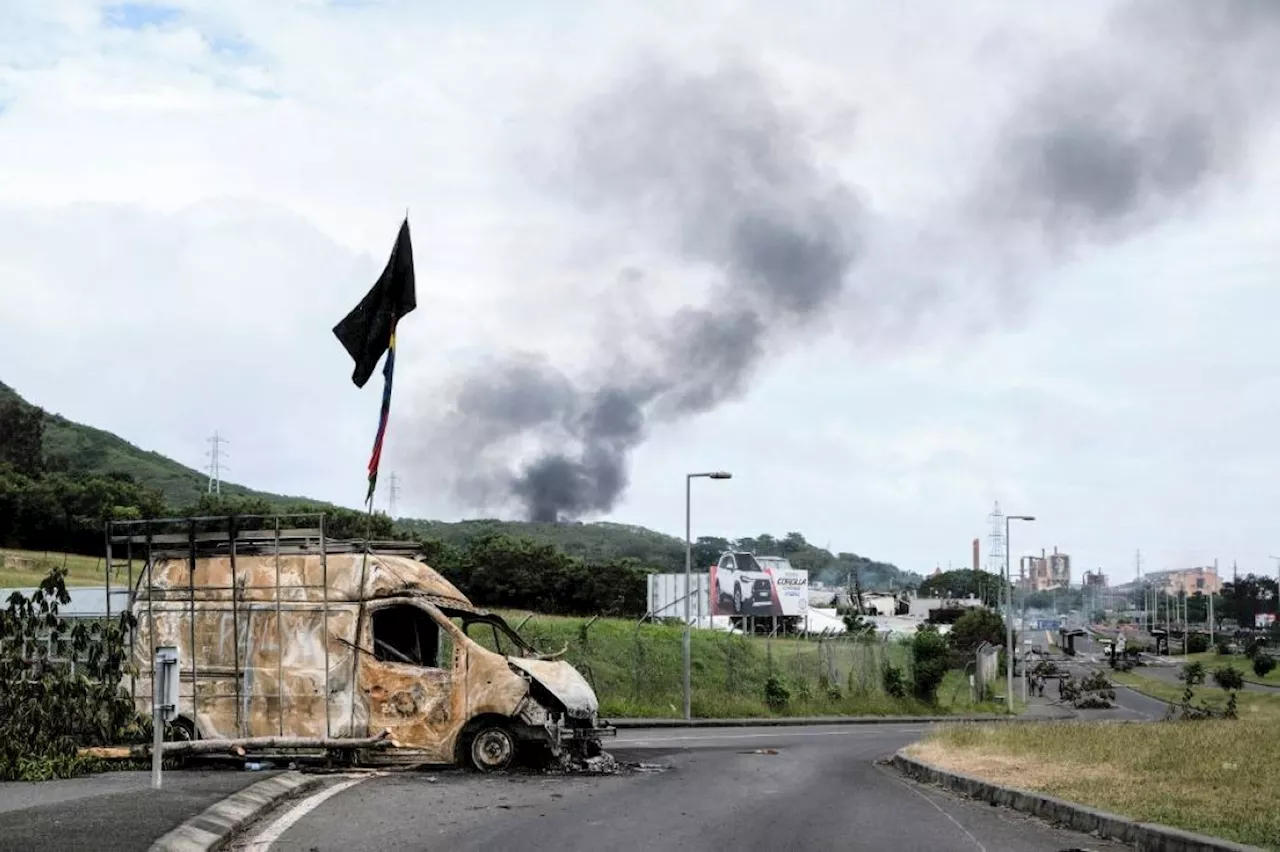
x,y
111,812
811,788
1130,705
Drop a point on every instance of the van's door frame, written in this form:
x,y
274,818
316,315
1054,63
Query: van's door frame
x,y
424,706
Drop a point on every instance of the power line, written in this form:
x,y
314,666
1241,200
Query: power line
x,y
215,463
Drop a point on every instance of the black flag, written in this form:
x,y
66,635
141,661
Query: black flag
x,y
366,332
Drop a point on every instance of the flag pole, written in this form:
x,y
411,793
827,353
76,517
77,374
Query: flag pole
x,y
367,332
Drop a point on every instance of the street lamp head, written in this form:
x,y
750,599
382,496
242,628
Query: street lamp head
x,y
1022,517
721,474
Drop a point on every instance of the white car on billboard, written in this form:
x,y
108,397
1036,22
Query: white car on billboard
x,y
741,581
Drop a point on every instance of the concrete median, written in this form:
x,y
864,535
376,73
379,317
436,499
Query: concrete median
x,y
1146,837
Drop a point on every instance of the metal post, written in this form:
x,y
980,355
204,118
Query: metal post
x,y
108,569
1008,604
1211,643
235,631
157,726
280,648
1008,626
191,578
688,570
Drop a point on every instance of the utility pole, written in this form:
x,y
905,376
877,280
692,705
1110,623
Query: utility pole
x,y
215,463
394,489
1010,650
688,585
1137,563
1211,643
1277,559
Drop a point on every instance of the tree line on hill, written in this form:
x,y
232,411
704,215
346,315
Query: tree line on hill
x,y
49,503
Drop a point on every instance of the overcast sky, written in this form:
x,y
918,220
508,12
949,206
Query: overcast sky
x,y
1054,276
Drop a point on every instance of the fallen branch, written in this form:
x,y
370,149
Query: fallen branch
x,y
238,747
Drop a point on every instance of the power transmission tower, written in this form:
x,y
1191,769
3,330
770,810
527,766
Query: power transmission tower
x,y
215,463
995,553
394,489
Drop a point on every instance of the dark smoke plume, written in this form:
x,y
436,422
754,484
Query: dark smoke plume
x,y
1125,134
712,170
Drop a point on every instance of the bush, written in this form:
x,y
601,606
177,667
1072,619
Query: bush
x,y
47,713
893,681
929,652
976,626
1224,648
1263,664
1197,643
1192,674
776,694
1253,648
1229,678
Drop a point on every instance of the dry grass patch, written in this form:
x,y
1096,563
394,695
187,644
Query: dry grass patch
x,y
1216,777
26,568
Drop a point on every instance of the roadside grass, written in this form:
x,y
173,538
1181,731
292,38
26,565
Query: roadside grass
x,y
1250,706
1213,660
637,672
26,568
1217,777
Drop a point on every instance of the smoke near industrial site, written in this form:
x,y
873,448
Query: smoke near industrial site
x,y
717,174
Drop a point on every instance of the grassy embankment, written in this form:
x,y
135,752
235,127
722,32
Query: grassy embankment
x,y
637,672
26,568
1212,660
1217,777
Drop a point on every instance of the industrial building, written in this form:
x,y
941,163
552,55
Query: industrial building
x,y
1202,579
1046,572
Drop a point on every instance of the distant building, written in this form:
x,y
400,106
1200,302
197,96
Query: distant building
x,y
1046,572
1095,580
1203,579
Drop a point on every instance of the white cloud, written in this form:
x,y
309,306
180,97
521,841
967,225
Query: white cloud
x,y
192,194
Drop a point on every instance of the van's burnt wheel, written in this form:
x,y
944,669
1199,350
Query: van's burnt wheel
x,y
493,748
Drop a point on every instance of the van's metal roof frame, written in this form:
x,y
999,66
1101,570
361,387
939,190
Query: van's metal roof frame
x,y
229,539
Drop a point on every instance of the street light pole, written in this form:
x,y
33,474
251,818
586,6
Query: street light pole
x,y
688,574
1277,559
1008,610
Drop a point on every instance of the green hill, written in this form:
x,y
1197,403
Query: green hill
x,y
84,449
81,449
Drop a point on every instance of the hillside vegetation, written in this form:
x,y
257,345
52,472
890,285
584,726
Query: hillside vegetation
x,y
60,481
603,540
74,447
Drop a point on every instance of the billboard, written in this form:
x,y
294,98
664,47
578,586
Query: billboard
x,y
745,584
667,598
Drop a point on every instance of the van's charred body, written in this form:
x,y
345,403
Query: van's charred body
x,y
284,632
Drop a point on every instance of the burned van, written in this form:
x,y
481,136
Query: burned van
x,y
283,633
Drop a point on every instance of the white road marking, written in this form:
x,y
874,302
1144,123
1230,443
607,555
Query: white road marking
x,y
944,812
777,733
263,841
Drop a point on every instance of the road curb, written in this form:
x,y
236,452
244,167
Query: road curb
x,y
214,828
625,724
1146,837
